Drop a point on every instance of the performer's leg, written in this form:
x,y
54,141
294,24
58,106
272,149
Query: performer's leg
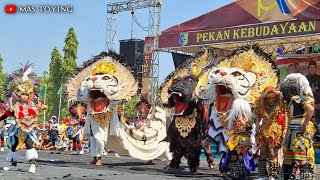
x,y
93,149
208,152
273,163
262,168
98,148
223,164
193,161
31,154
306,172
2,141
289,170
13,155
313,172
176,158
74,145
262,164
79,144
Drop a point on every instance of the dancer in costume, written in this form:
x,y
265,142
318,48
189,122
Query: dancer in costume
x,y
269,113
187,131
231,87
298,143
75,130
24,110
101,83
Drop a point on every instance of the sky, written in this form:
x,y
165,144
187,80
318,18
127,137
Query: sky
x,y
32,36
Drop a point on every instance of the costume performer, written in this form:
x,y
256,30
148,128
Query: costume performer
x,y
75,129
24,110
269,113
231,87
101,83
189,123
298,144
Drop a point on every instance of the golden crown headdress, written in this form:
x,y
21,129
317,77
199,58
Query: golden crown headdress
x,y
243,61
104,68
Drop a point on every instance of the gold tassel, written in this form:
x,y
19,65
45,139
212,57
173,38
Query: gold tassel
x,y
21,139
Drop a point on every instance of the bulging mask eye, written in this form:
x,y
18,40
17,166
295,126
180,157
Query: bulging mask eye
x,y
175,81
106,78
236,73
216,71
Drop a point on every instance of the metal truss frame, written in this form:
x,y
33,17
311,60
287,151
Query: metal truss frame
x,y
154,7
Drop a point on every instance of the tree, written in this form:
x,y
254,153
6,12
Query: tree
x,y
70,50
55,80
2,78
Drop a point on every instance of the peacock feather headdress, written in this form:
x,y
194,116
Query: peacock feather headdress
x,y
24,81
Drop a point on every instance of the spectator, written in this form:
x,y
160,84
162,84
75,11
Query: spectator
x,y
74,132
44,142
60,143
2,132
54,129
63,127
314,81
292,69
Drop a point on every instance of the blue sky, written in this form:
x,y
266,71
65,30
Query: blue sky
x,y
31,37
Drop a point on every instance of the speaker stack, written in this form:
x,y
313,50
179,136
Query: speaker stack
x,y
132,51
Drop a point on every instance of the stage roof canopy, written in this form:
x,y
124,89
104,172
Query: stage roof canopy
x,y
266,22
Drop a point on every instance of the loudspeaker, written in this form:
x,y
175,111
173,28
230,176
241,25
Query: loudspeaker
x,y
132,51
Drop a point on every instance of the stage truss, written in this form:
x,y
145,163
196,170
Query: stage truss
x,y
154,7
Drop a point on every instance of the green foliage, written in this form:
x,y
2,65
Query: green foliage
x,y
7,86
70,50
130,109
54,82
2,76
61,67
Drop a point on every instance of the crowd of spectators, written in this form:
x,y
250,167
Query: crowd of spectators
x,y
63,136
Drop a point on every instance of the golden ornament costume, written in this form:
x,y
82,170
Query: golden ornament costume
x,y
231,87
188,127
24,110
269,114
298,144
101,83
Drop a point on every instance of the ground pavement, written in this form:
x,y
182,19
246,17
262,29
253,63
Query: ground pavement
x,y
66,166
